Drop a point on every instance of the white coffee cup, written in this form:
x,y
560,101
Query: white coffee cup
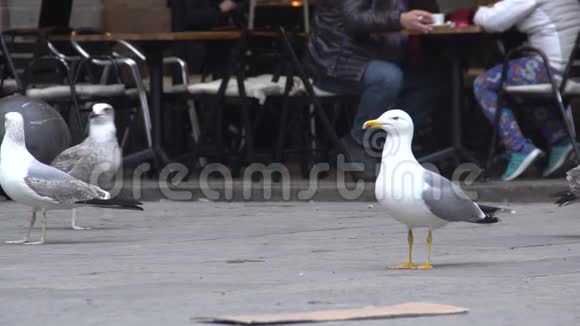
x,y
438,19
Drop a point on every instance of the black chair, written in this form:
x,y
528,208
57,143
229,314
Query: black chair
x,y
10,81
311,98
560,93
38,74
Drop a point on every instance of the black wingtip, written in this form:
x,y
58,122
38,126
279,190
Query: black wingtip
x,y
565,198
488,220
115,203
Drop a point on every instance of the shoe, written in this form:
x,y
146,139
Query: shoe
x,y
559,156
356,153
519,162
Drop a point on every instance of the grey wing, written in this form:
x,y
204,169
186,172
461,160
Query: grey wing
x,y
447,201
50,182
76,161
573,178
65,191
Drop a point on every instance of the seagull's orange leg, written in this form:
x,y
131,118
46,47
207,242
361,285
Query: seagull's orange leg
x,y
409,263
427,264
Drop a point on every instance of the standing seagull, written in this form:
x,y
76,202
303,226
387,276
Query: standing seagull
x,y
415,196
99,155
567,197
42,187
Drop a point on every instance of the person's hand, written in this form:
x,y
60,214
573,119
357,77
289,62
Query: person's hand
x,y
227,6
417,21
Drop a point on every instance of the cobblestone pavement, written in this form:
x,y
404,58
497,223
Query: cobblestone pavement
x,y
181,260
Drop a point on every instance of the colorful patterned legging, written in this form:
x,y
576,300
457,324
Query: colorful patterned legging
x,y
523,71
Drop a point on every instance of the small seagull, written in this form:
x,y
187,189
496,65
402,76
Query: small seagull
x,y
98,157
415,196
42,187
567,197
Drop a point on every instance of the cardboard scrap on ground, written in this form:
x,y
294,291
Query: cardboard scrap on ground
x,y
411,309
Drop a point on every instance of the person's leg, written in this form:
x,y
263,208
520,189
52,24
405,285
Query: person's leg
x,y
523,71
559,145
382,84
378,90
486,88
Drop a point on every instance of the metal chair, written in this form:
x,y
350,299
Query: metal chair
x,y
560,91
175,88
104,56
311,96
36,73
10,82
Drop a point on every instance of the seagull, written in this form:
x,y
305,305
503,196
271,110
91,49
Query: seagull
x,y
567,197
99,155
42,187
415,196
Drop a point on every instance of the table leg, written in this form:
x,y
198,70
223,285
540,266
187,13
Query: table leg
x,y
456,150
155,65
457,112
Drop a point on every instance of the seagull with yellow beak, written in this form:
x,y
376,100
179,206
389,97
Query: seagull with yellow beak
x,y
415,196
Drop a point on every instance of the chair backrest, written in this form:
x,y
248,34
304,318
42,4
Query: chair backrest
x,y
20,50
279,13
23,48
572,71
7,67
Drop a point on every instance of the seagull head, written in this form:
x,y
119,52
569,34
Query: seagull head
x,y
102,113
394,122
14,126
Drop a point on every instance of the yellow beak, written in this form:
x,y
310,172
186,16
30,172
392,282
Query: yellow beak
x,y
372,124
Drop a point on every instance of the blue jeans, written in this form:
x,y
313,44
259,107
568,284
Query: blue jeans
x,y
423,89
379,89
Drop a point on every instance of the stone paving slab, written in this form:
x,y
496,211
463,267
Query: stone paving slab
x,y
181,260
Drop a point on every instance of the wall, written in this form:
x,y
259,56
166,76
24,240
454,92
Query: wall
x,y
24,13
136,16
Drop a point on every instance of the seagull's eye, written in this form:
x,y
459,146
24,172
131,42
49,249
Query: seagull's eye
x,y
396,118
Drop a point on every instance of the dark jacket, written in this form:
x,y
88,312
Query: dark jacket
x,y
205,14
340,43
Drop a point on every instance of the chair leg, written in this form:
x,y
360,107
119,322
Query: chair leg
x,y
494,137
75,110
143,103
250,156
195,128
568,119
318,109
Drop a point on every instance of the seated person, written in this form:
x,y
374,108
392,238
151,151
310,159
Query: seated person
x,y
551,26
347,59
208,14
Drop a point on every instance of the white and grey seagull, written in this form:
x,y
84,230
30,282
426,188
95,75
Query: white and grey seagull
x,y
415,196
98,157
42,187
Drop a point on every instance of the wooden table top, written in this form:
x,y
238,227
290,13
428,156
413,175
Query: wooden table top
x,y
284,3
161,37
448,30
228,35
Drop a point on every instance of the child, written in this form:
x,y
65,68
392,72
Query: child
x,y
551,26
